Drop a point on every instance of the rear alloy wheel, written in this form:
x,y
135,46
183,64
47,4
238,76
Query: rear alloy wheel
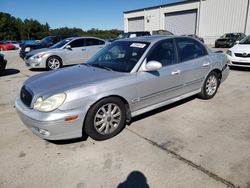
x,y
105,119
53,63
210,86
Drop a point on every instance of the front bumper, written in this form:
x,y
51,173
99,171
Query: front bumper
x,y
35,63
52,122
238,61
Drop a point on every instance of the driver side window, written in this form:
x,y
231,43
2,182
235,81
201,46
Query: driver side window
x,y
164,52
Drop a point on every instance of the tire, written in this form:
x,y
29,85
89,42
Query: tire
x,y
53,63
210,86
105,119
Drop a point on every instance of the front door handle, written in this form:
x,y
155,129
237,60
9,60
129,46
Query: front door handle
x,y
206,64
83,49
176,72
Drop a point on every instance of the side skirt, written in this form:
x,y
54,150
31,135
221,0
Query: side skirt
x,y
158,105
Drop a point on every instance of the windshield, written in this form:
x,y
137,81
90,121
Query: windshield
x,y
119,56
246,40
61,43
228,35
46,40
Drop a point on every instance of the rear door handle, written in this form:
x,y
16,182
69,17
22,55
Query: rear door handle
x,y
176,72
83,49
206,64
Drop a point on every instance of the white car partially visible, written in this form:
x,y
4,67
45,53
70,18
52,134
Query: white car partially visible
x,y
239,55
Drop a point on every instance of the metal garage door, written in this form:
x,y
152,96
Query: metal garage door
x,y
181,23
136,24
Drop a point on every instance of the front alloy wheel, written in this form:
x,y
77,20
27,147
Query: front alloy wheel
x,y
53,63
105,119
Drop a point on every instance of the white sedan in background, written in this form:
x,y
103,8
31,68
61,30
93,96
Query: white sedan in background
x,y
74,50
239,55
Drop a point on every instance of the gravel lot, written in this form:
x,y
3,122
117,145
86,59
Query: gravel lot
x,y
192,143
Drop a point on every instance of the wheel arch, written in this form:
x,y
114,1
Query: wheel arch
x,y
218,72
126,105
54,55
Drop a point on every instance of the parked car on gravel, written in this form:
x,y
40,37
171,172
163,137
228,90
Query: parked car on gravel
x,y
44,43
239,55
69,51
4,46
126,78
15,43
3,62
229,39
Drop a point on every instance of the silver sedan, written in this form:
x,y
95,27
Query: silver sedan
x,y
69,51
127,78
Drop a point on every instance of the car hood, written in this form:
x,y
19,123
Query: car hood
x,y
64,79
41,50
241,48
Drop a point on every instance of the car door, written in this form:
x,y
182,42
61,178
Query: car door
x,y
154,87
92,46
76,53
194,62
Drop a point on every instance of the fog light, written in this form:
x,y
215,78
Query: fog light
x,y
41,131
44,132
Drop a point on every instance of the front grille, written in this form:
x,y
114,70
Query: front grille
x,y
244,55
238,63
26,96
222,40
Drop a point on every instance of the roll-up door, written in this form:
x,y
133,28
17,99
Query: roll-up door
x,y
136,24
181,23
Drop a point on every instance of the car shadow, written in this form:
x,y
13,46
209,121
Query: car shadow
x,y
247,69
8,72
161,109
37,69
70,141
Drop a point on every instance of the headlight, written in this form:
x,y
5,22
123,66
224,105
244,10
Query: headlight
x,y
51,103
27,49
229,52
38,56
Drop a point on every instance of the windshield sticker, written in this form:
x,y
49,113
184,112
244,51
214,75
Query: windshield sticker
x,y
138,45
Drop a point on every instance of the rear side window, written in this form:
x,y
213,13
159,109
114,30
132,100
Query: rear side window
x,y
189,49
77,43
92,42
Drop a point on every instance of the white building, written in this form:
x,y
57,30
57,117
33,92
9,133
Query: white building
x,y
207,18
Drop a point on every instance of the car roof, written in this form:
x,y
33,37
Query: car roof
x,y
151,39
83,37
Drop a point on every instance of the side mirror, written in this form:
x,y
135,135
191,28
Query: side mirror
x,y
153,66
68,47
237,42
50,44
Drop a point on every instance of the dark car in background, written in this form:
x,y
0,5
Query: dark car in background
x,y
131,35
44,43
162,32
195,36
3,62
228,40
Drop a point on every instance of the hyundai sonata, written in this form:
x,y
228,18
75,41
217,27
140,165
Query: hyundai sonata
x,y
125,79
